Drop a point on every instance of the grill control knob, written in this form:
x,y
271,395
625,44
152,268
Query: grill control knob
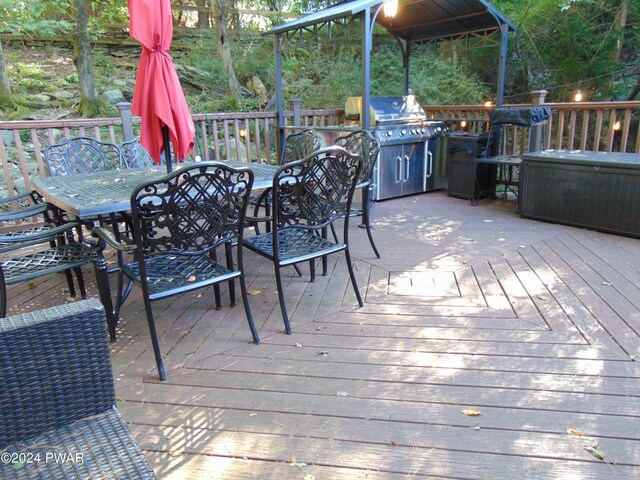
x,y
413,131
422,130
403,133
389,133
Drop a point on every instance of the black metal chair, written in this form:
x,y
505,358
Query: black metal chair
x,y
82,155
134,155
44,247
296,147
179,221
58,398
366,146
308,196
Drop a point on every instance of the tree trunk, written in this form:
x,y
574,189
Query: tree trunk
x,y
222,44
5,87
203,17
90,106
619,25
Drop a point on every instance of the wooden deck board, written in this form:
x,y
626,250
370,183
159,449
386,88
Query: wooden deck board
x,y
532,324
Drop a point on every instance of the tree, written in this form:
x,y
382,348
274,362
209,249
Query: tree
x,y
221,13
5,87
90,104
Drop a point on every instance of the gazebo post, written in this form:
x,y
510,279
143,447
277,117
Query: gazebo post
x,y
502,67
279,133
367,27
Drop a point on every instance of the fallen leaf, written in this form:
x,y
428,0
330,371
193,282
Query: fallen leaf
x,y
308,476
394,444
635,358
342,394
192,278
322,353
298,345
254,292
292,460
31,285
575,432
477,427
595,452
415,350
471,413
253,414
606,283
199,295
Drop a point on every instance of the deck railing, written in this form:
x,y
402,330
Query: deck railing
x,y
605,126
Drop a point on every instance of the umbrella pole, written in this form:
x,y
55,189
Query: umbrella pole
x,y
167,147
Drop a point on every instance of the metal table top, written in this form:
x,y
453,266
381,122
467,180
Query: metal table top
x,y
90,194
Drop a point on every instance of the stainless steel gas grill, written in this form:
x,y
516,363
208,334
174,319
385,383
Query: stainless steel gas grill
x,y
412,156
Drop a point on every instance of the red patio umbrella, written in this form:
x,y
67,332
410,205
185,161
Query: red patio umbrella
x,y
158,97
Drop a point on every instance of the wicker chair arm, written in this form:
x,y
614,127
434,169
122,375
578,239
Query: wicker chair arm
x,y
104,234
35,238
55,368
252,220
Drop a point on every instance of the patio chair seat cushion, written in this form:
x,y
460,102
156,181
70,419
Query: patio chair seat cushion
x,y
33,265
294,245
97,447
170,274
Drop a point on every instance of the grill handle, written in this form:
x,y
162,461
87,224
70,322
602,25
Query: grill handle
x,y
398,169
406,168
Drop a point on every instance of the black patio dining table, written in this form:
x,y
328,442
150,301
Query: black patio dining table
x,y
107,195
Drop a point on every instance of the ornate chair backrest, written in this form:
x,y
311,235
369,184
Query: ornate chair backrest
x,y
365,145
192,210
82,155
300,145
134,155
315,191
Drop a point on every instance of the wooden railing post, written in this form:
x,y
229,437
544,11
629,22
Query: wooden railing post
x,y
295,106
535,135
127,125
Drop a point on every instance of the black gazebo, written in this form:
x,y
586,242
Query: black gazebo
x,y
415,22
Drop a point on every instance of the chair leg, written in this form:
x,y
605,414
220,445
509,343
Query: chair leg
x,y
102,281
3,296
216,286
228,250
312,270
325,262
367,220
80,277
283,307
72,288
247,310
154,337
353,277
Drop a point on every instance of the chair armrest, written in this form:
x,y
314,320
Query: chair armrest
x,y
33,195
251,219
55,368
26,212
35,238
104,234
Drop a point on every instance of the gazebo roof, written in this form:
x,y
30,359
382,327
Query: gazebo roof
x,y
416,20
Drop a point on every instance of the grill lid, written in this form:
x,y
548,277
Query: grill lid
x,y
391,109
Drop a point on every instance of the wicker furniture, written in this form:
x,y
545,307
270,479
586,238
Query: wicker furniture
x,y
597,190
43,249
82,155
308,196
365,145
179,222
59,418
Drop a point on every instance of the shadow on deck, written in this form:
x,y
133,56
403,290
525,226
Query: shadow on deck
x,y
532,326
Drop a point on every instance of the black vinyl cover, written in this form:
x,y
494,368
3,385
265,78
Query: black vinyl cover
x,y
523,117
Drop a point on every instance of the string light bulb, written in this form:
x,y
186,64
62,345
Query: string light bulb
x,y
390,8
578,96
463,124
617,125
488,103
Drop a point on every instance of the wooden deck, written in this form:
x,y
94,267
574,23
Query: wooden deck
x,y
533,325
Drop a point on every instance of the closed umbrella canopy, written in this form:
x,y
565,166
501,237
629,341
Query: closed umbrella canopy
x,y
158,97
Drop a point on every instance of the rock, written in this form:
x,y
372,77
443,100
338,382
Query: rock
x,y
113,96
41,97
7,137
65,94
